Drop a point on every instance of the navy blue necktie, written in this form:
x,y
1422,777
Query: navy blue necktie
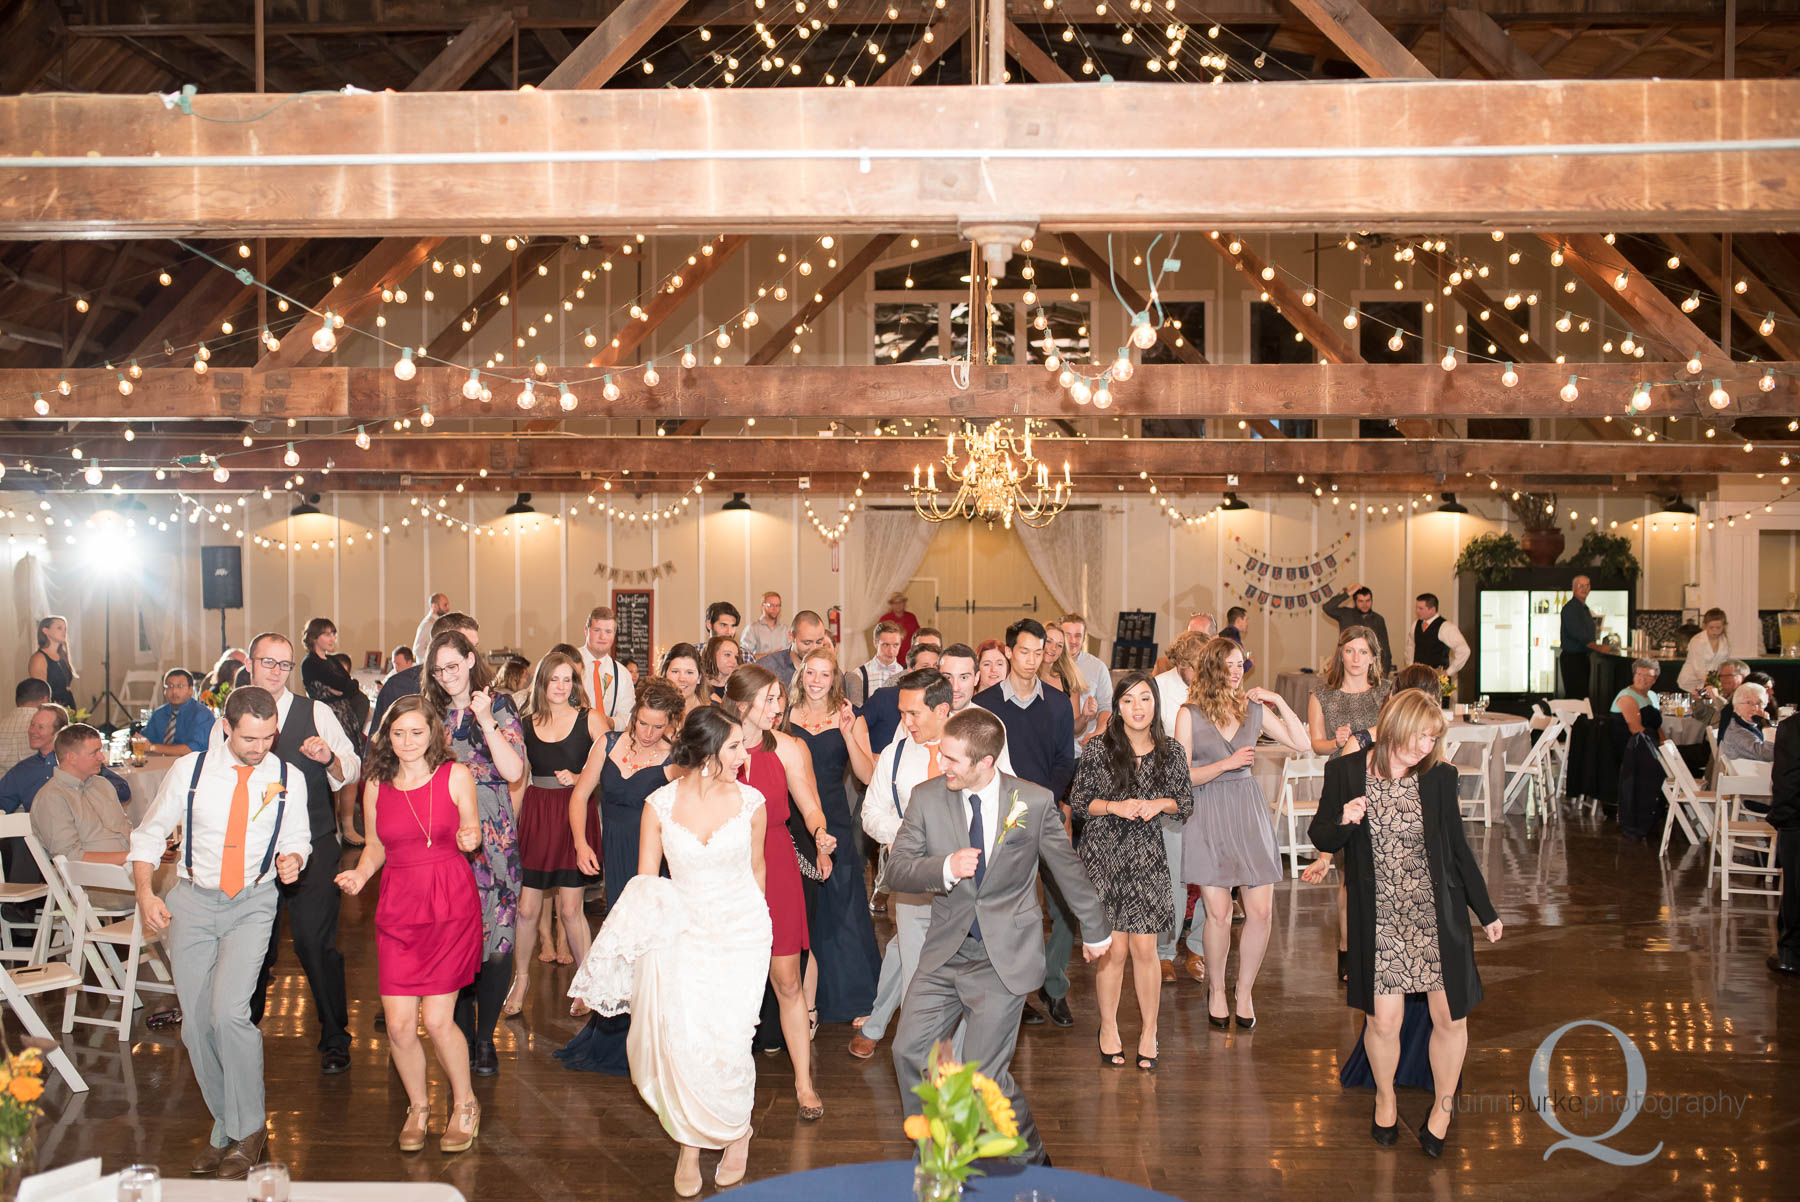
x,y
980,845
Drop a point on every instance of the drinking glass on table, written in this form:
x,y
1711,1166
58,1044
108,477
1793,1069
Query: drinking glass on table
x,y
268,1182
140,1183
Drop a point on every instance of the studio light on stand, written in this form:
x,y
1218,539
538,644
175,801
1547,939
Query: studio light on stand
x,y
112,551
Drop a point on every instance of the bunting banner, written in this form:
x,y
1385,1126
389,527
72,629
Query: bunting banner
x,y
617,575
1311,574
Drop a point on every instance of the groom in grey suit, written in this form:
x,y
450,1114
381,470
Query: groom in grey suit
x,y
972,839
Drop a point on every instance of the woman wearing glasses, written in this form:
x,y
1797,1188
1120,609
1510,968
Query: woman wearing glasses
x,y
487,738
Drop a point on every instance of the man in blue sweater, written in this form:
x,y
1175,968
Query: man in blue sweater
x,y
1040,739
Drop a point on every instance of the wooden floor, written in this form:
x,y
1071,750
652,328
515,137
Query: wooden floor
x,y
1596,929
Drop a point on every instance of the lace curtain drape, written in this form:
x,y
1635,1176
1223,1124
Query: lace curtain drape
x,y
891,544
1076,556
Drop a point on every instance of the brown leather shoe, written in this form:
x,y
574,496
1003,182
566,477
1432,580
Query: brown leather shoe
x,y
244,1155
1196,966
1168,971
861,1046
206,1164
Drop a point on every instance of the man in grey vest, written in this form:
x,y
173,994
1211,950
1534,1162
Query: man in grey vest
x,y
973,839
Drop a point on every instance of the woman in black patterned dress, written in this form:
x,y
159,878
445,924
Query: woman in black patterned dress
x,y
1127,779
1393,816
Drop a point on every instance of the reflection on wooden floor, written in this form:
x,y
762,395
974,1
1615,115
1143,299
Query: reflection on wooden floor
x,y
1596,929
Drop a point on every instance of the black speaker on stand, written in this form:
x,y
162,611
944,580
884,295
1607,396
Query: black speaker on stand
x,y
222,583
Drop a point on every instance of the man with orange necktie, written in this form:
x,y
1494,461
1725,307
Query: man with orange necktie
x,y
242,818
608,684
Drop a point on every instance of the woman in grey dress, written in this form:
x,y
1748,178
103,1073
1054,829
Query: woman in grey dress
x,y
1341,717
1229,841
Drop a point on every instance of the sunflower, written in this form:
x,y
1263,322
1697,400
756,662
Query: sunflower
x,y
1000,1110
943,1069
26,1089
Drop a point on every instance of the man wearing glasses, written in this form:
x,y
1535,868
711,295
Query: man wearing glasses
x,y
313,744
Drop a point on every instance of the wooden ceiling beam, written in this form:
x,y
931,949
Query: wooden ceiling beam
x,y
944,34
1640,302
452,338
612,45
1453,461
1702,255
667,301
1363,39
915,391
925,191
1481,38
467,53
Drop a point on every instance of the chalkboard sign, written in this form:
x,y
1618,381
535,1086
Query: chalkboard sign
x,y
632,607
1135,645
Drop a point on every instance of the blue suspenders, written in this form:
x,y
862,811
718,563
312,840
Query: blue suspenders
x,y
894,777
280,809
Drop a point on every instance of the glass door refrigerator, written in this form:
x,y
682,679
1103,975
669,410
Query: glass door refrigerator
x,y
1520,633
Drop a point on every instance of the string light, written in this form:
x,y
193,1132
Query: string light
x,y
565,398
324,339
292,457
362,438
471,388
405,369
1718,398
1571,392
528,397
1509,377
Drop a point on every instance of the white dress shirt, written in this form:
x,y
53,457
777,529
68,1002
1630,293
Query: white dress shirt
x,y
1702,661
882,814
618,694
324,721
422,636
212,810
1171,695
1451,637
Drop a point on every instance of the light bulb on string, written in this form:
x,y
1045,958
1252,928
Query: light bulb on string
x,y
1509,377
1122,367
723,339
539,368
292,457
471,388
750,318
124,385
1640,398
565,398
39,405
1080,392
1397,342
651,379
688,359
1143,334
527,397
324,339
609,390
405,369
1767,381
362,438
63,386
1718,398
134,371
1448,362
1102,398
426,417
1767,326
1571,392
1352,318
221,474
92,473
1694,365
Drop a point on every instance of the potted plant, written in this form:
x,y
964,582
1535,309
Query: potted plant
x,y
1606,555
1491,557
1543,538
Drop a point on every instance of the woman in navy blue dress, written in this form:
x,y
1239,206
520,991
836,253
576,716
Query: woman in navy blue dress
x,y
636,764
841,973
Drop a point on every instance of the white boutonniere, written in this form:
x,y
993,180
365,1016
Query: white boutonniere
x,y
1015,818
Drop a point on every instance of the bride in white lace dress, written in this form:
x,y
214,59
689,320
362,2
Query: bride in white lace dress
x,y
687,955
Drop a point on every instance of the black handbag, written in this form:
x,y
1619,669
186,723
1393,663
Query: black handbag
x,y
806,848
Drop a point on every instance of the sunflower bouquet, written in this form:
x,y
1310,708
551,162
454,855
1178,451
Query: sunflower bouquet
x,y
966,1117
21,1088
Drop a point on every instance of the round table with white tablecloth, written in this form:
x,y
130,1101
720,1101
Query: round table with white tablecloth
x,y
1683,729
144,783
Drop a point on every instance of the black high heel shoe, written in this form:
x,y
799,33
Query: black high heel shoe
x,y
1386,1136
1221,1024
1432,1144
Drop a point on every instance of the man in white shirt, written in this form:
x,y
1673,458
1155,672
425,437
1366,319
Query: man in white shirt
x,y
974,839
608,685
1433,640
926,697
1093,670
861,683
435,607
766,635
1171,694
243,817
315,748
15,727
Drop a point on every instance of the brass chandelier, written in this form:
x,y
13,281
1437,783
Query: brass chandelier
x,y
998,479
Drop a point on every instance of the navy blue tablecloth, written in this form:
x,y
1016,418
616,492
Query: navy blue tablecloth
x,y
892,1181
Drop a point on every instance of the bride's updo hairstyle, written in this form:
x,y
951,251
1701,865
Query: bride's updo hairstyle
x,y
703,733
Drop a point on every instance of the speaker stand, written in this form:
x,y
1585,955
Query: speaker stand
x,y
104,703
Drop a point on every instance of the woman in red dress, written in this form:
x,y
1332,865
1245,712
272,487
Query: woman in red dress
x,y
780,768
420,815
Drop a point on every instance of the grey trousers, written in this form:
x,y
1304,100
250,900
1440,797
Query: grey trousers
x,y
1166,944
911,924
965,988
215,946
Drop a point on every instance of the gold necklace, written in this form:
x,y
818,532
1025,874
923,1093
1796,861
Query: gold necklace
x,y
424,829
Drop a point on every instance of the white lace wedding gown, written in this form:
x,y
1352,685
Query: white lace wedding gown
x,y
687,956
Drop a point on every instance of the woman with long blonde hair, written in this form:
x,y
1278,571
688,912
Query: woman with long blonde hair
x,y
1229,841
1058,670
1392,816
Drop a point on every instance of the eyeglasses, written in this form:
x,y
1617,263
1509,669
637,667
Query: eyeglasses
x,y
449,670
276,665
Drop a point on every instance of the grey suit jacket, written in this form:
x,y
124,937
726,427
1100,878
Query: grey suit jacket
x,y
1012,921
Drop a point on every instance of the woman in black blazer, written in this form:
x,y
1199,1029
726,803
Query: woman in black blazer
x,y
1391,816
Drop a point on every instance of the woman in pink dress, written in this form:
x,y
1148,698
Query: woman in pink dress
x,y
421,822
780,768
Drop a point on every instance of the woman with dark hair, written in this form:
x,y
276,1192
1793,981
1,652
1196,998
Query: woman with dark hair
x,y
687,955
845,965
780,768
718,660
1420,677
560,735
681,668
324,679
485,737
1130,778
1392,811
633,764
50,662
422,823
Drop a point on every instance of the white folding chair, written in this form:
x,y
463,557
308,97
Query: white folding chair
x,y
1481,802
18,826
1291,807
138,693
1738,829
1534,773
1713,767
121,943
1690,807
19,985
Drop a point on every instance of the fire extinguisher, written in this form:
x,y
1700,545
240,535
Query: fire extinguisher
x,y
833,621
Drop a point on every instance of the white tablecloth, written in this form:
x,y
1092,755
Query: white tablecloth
x,y
144,783
1295,688
176,1190
1511,742
1684,729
